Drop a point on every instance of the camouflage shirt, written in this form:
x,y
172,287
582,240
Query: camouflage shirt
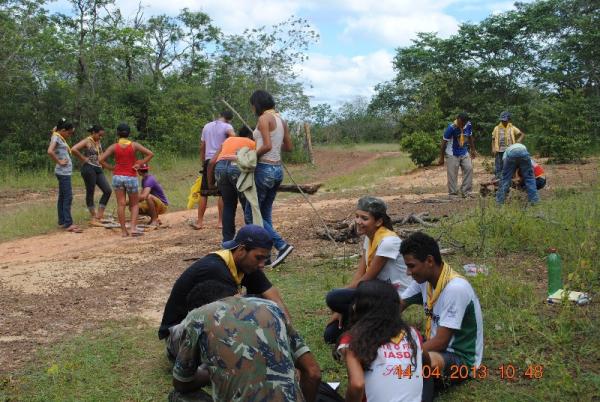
x,y
248,346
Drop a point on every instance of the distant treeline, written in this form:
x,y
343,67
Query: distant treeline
x,y
163,75
166,75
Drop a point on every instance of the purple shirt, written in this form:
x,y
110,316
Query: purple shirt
x,y
155,188
213,135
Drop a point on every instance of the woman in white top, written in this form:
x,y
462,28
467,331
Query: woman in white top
x,y
383,355
271,136
381,259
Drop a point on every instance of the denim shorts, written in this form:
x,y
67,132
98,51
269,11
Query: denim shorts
x,y
127,183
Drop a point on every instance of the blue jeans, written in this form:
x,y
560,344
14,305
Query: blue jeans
x,y
65,199
517,159
498,165
267,179
226,174
340,301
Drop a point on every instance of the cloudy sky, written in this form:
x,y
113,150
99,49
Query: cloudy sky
x,y
358,38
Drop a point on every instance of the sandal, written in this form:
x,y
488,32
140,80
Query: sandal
x,y
74,229
137,234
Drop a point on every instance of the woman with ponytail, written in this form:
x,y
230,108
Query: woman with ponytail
x,y
60,152
88,151
125,181
380,259
383,355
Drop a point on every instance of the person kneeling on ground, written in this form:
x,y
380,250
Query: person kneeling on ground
x,y
538,173
454,327
249,349
381,259
153,201
240,263
377,340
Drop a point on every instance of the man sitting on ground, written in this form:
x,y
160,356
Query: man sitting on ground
x,y
240,264
244,346
454,328
153,201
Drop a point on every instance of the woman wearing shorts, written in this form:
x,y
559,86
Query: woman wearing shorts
x,y
88,151
125,181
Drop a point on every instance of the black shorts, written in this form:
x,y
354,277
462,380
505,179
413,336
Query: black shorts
x,y
204,190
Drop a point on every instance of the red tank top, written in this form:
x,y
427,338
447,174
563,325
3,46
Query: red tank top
x,y
124,161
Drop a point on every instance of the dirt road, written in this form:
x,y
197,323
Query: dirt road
x,y
55,285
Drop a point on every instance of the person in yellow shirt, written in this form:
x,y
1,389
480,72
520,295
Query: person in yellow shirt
x,y
503,136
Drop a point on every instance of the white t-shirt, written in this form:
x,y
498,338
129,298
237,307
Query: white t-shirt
x,y
394,270
457,308
389,379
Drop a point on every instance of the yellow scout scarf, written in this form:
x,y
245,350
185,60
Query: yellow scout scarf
x,y
379,235
461,139
508,134
446,276
96,145
227,256
124,141
57,134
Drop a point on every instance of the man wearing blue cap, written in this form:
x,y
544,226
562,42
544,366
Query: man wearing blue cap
x,y
458,148
503,136
239,264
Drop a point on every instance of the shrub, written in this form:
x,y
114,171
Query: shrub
x,y
421,147
562,148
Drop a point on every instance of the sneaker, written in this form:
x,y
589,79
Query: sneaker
x,y
283,253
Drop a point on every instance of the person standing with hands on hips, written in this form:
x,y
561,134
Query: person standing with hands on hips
x,y
125,181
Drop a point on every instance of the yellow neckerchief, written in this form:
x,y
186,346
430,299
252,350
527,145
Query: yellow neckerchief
x,y
57,134
461,139
97,145
377,238
398,338
227,256
508,134
124,141
446,276
271,111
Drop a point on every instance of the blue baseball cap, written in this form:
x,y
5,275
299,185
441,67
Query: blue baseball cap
x,y
505,116
252,236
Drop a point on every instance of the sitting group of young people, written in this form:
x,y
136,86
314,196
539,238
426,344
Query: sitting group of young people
x,y
247,348
151,201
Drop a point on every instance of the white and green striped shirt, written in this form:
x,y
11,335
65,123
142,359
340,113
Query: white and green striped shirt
x,y
456,308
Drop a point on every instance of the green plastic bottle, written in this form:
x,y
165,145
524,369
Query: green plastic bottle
x,y
554,271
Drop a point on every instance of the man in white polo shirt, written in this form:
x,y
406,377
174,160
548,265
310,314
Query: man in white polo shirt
x,y
454,329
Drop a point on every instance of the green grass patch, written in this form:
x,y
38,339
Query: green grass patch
x,y
122,361
370,175
38,215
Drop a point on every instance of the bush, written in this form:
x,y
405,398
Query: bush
x,y
562,148
421,147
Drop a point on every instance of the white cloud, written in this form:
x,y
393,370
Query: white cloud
x,y
337,79
399,30
396,22
232,16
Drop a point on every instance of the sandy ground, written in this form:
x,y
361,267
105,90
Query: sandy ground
x,y
63,283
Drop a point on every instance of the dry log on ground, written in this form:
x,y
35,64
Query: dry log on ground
x,y
284,188
345,230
